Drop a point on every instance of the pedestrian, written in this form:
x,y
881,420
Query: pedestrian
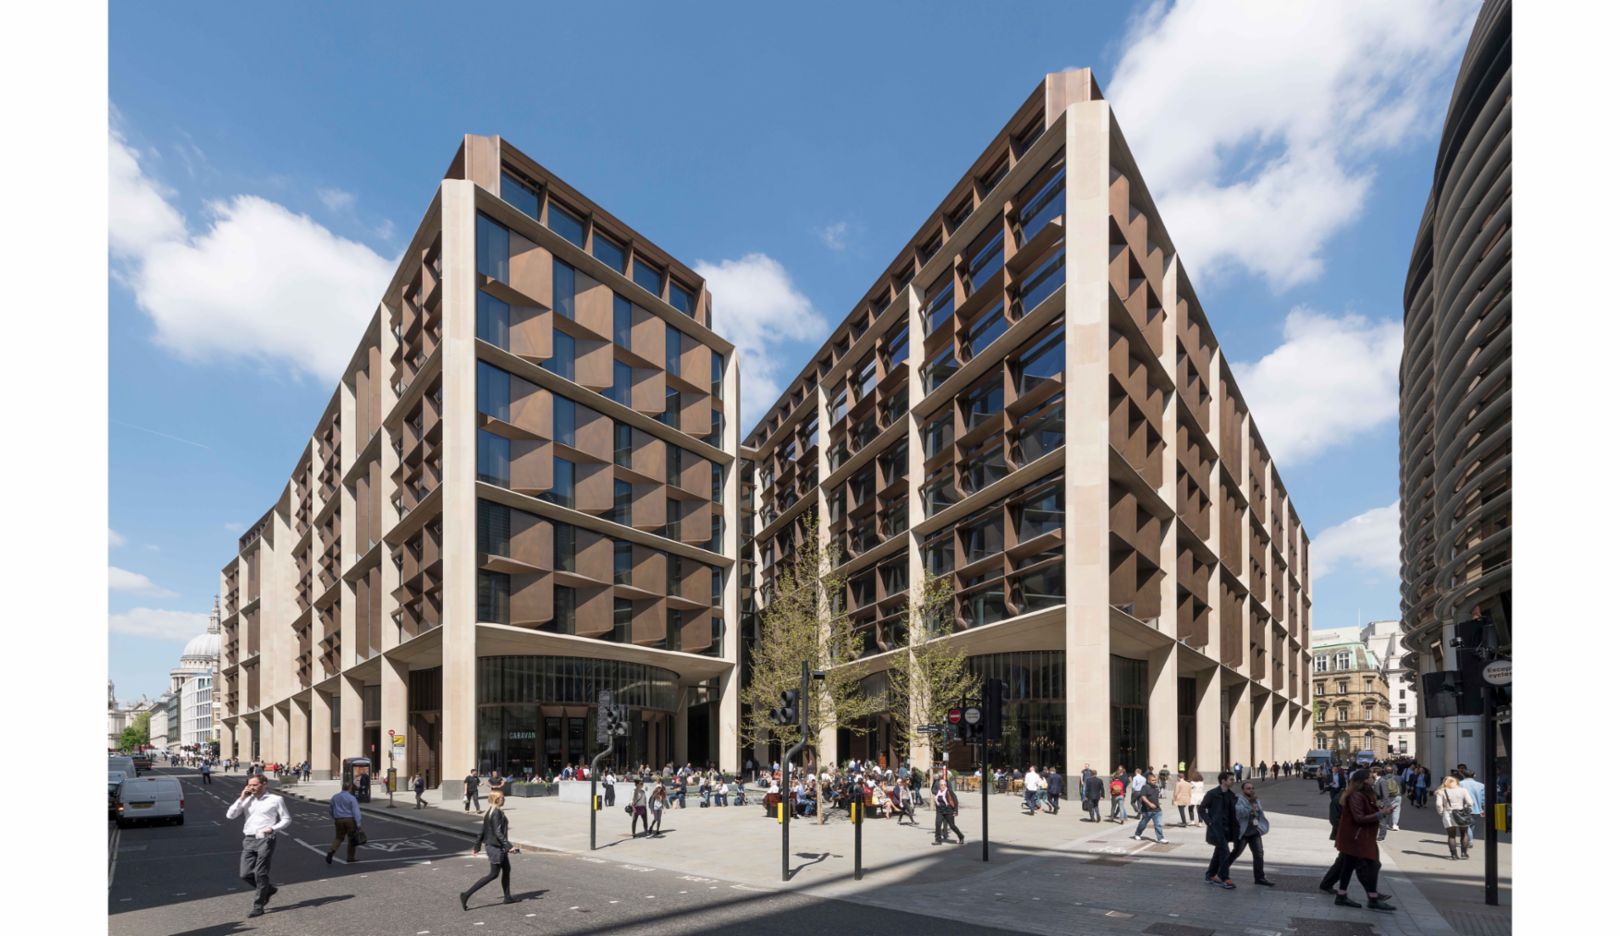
x,y
945,806
680,790
1054,790
1237,772
1033,785
1219,812
1391,788
1197,795
1137,782
1092,793
469,791
496,847
607,787
419,786
637,808
1420,788
1476,791
345,812
1147,804
1356,838
1116,796
306,771
1456,815
266,815
659,800
1182,797
363,788
207,771
1262,769
497,783
1252,827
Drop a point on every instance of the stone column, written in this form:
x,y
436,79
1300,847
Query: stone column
x,y
320,735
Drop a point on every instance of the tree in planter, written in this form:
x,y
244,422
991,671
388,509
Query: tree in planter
x,y
930,675
803,619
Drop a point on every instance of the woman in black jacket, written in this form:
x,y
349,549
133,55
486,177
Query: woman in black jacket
x,y
492,839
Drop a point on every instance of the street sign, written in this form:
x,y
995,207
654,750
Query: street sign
x,y
399,740
1498,672
954,716
930,729
971,715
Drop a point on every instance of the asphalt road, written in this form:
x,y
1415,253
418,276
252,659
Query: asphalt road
x,y
167,880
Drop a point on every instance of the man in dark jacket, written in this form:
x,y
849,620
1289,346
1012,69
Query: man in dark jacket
x,y
469,789
1054,789
1093,793
1219,814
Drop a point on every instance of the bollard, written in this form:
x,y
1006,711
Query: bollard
x,y
857,815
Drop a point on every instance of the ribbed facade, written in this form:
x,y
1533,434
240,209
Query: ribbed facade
x,y
1456,381
1030,401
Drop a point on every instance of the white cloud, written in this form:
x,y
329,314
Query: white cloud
x,y
1370,542
336,200
1330,380
1257,124
260,283
233,527
124,580
757,308
157,623
115,539
834,235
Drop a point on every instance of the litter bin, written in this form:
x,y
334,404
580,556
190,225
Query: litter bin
x,y
357,772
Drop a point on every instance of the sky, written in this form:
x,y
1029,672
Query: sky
x,y
267,164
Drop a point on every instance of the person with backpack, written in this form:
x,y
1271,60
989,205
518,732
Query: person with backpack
x,y
1116,796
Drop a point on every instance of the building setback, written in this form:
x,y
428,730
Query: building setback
x,y
1456,387
1031,401
515,500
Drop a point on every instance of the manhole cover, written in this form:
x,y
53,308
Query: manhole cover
x,y
1317,926
1480,922
1177,929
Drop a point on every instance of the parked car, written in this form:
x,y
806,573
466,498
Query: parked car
x,y
121,762
114,779
150,798
143,763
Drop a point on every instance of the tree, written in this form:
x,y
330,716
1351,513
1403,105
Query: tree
x,y
803,619
136,733
930,675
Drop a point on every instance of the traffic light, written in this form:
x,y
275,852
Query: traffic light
x,y
993,692
613,720
788,712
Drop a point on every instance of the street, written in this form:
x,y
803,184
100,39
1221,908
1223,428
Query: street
x,y
169,880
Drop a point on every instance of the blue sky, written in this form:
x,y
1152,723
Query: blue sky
x,y
267,167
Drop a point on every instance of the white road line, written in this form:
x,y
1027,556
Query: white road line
x,y
112,867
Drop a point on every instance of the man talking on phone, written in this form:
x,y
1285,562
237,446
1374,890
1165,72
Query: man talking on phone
x,y
266,815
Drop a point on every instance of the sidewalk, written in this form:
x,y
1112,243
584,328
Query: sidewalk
x,y
1047,874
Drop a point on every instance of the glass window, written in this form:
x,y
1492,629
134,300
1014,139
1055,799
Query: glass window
x,y
672,518
717,426
494,248
561,361
621,502
494,391
986,262
620,391
985,401
941,302
940,554
1031,289
939,433
717,529
672,349
989,326
567,224
607,250
621,445
717,480
520,195
494,528
717,580
494,320
562,482
1041,201
622,319
1043,361
1038,512
562,419
671,416
563,539
682,299
648,277
672,640
494,458
623,560
622,612
494,598
563,604
717,375
940,367
562,288
897,346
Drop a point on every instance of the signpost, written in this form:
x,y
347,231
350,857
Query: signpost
x,y
610,724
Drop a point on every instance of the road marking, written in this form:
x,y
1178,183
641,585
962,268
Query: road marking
x,y
112,867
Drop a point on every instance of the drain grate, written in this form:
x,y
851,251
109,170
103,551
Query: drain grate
x,y
1316,926
1178,929
1111,861
1497,922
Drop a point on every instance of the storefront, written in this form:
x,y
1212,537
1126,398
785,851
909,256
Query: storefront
x,y
537,714
1033,714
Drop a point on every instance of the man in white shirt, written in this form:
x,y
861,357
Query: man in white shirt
x,y
1476,792
266,815
1033,785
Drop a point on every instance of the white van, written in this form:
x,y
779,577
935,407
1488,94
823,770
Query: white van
x,y
148,798
1317,763
120,762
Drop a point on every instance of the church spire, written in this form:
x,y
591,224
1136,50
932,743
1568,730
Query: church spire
x,y
213,617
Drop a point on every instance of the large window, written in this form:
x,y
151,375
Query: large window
x,y
623,554
682,299
1128,711
561,361
986,261
672,349
1039,202
990,325
672,639
567,224
562,482
494,320
562,288
607,250
563,604
621,444
648,277
493,246
622,320
940,302
620,391
494,528
621,502
562,419
494,391
563,541
623,611
520,195
494,458
494,598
